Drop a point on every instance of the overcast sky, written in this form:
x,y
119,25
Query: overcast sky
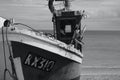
x,y
102,14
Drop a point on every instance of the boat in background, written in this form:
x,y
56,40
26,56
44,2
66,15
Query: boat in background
x,y
39,56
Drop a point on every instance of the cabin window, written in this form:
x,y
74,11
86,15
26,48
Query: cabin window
x,y
68,28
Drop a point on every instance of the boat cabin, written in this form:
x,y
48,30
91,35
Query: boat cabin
x,y
65,25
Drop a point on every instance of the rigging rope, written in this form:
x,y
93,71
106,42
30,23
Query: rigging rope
x,y
26,26
5,70
10,57
4,48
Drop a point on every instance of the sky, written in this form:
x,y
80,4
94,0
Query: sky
x,y
101,14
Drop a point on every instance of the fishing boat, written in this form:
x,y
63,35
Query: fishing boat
x,y
36,55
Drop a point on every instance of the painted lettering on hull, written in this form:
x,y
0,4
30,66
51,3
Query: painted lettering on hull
x,y
39,62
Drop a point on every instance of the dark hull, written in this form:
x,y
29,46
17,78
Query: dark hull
x,y
39,64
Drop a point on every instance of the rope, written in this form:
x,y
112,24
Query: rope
x,y
10,57
3,40
26,26
6,69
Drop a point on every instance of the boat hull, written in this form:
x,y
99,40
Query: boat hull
x,y
38,57
40,64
